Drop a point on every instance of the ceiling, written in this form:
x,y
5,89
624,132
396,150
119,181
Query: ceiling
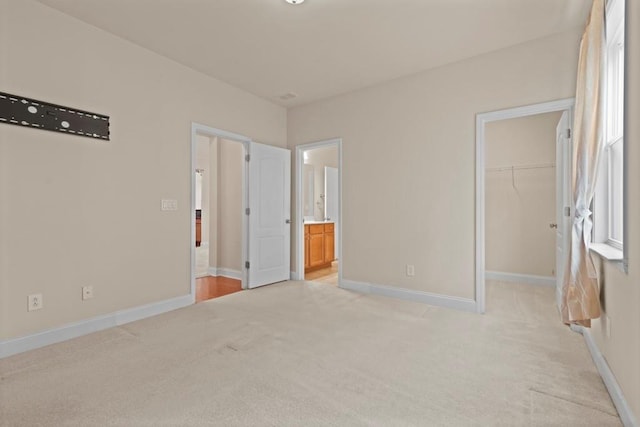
x,y
323,48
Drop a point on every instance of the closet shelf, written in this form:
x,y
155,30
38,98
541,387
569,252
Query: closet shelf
x,y
521,167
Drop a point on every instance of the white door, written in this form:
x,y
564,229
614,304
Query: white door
x,y
331,206
563,198
269,214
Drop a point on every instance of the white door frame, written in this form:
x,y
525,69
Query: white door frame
x,y
199,129
299,161
481,120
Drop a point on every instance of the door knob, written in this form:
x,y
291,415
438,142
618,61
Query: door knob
x,y
287,221
553,225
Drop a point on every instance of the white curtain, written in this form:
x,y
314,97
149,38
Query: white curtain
x,y
580,291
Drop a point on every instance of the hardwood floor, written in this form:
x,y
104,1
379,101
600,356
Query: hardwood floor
x,y
213,287
326,275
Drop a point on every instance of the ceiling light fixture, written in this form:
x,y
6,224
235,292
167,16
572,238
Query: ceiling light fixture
x,y
295,1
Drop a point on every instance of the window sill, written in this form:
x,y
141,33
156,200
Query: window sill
x,y
606,251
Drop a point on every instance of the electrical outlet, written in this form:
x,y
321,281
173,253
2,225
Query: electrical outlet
x,y
411,271
35,302
87,292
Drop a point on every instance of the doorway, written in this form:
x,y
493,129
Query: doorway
x,y
318,212
219,177
265,212
219,230
516,169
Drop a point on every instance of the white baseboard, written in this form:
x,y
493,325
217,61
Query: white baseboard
x,y
463,304
624,411
231,274
528,279
95,324
225,272
203,274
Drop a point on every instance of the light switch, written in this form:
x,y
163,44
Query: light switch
x,y
169,205
411,271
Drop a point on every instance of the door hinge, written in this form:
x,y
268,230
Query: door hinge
x,y
567,211
247,211
246,264
568,133
247,157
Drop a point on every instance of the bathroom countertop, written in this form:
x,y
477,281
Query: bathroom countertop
x,y
319,222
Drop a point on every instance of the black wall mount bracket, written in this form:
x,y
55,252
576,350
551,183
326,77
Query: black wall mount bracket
x,y
21,111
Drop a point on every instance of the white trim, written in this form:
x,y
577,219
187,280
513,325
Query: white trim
x,y
610,218
480,258
199,129
602,216
224,272
73,330
299,209
626,119
210,131
456,303
481,120
527,279
229,273
624,411
606,251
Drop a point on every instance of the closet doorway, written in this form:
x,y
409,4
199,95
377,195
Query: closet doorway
x,y
318,212
523,192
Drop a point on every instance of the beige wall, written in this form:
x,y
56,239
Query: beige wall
x,y
229,226
519,208
87,211
621,291
408,159
224,220
319,158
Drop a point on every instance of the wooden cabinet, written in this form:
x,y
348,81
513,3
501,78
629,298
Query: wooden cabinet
x,y
307,263
329,246
198,231
316,246
319,244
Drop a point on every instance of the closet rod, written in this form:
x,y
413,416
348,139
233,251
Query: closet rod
x,y
521,167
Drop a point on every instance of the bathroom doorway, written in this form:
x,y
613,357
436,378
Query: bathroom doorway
x,y
318,212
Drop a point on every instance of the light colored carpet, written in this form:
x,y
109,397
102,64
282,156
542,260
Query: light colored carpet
x,y
304,354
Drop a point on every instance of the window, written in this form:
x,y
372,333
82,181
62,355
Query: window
x,y
609,215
